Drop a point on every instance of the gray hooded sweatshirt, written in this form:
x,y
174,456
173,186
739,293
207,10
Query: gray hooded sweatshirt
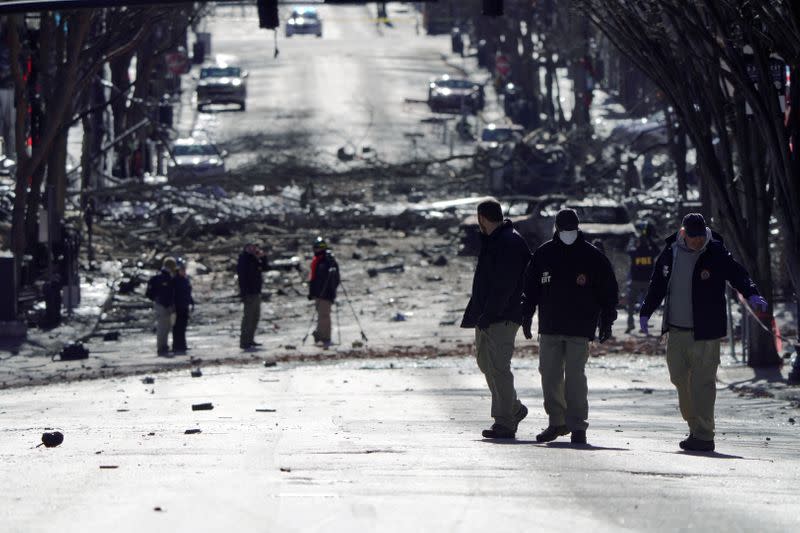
x,y
684,260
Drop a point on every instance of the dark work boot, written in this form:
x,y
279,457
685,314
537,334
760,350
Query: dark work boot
x,y
693,444
551,433
578,436
498,432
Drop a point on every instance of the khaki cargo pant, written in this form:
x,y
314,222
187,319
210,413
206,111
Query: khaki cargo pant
x,y
562,364
323,331
693,370
495,347
250,317
163,326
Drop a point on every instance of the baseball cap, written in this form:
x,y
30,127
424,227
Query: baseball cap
x,y
567,220
695,225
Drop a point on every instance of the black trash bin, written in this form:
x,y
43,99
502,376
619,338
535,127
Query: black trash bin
x,y
8,290
198,53
52,303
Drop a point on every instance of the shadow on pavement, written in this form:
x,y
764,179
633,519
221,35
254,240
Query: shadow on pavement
x,y
710,455
587,447
563,445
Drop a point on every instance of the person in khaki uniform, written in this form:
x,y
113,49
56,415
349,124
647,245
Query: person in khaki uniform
x,y
690,273
252,262
573,286
494,310
161,290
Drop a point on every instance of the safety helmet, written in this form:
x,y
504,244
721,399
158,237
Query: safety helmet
x,y
320,244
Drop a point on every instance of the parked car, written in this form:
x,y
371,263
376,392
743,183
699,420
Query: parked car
x,y
452,95
222,84
195,158
304,20
600,219
495,136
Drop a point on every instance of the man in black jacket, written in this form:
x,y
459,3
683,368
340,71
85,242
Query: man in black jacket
x,y
183,300
573,285
494,310
161,290
643,252
322,284
252,261
690,274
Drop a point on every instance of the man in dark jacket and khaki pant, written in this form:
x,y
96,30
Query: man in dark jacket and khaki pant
x,y
690,274
252,261
494,310
573,285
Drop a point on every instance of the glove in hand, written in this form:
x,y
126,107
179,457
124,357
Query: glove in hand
x,y
757,303
643,324
527,322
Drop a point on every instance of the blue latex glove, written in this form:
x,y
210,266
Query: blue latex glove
x,y
643,324
757,302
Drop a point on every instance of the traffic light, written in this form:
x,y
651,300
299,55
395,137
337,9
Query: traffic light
x,y
268,14
493,8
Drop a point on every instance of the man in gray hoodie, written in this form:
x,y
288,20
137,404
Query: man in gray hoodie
x,y
691,273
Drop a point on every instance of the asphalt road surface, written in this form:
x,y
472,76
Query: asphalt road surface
x,y
389,445
348,88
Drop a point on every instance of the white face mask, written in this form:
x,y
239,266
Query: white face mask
x,y
568,237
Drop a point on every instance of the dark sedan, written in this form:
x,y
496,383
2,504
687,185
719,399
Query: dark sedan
x,y
451,95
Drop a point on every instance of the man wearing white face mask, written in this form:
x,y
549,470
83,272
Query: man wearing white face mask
x,y
573,285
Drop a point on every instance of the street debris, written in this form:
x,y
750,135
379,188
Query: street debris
x,y
196,373
270,364
202,406
192,431
109,467
148,380
392,269
265,410
52,439
285,469
73,352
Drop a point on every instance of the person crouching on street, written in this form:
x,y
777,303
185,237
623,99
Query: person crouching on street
x,y
323,280
690,273
249,269
573,285
183,301
495,311
161,290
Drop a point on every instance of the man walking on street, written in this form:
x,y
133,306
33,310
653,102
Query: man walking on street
x,y
573,285
690,274
322,284
643,252
495,311
252,262
161,290
183,300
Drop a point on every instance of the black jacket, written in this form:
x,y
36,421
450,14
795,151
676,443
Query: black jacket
x,y
249,270
161,289
324,277
643,253
497,284
183,292
573,286
714,267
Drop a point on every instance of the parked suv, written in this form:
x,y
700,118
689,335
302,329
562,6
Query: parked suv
x,y
222,84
